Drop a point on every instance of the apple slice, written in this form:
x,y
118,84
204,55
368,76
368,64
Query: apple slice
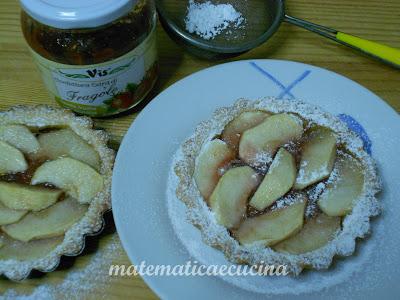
x,y
211,160
51,222
229,199
245,121
11,159
18,250
316,233
317,158
65,142
278,181
24,197
9,216
19,137
341,194
79,180
259,144
273,227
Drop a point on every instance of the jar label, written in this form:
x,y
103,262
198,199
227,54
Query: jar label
x,y
106,88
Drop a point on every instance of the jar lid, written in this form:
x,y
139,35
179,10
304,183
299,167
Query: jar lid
x,y
70,14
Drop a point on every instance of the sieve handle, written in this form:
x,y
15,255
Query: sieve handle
x,y
381,52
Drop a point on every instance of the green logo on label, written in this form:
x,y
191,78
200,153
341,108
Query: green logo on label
x,y
97,72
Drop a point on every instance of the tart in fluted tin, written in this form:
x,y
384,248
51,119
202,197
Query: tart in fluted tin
x,y
278,182
55,180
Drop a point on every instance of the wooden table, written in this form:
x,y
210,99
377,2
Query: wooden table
x,y
20,83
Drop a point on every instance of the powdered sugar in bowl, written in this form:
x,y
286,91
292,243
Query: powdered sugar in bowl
x,y
214,30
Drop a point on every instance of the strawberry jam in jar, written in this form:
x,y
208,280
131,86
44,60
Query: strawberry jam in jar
x,y
96,57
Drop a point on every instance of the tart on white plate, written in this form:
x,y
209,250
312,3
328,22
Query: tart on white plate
x,y
55,179
278,182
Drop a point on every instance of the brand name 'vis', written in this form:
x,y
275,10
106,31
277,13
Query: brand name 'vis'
x,y
98,73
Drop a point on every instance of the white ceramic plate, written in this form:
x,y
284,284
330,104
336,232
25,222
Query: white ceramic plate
x,y
146,218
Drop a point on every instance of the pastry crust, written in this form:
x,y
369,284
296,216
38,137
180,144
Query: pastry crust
x,y
43,116
355,225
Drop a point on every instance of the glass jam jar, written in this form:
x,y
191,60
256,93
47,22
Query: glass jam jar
x,y
96,57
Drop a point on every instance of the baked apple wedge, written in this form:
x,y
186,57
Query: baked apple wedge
x,y
65,142
24,197
11,159
51,222
317,158
18,250
211,160
9,216
271,228
229,199
316,233
20,137
76,178
346,187
259,144
278,181
245,121
311,169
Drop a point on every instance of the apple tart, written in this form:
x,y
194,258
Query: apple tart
x,y
278,182
55,180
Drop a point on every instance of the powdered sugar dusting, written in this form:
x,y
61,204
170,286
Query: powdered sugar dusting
x,y
316,191
313,194
304,177
261,161
43,116
310,282
355,225
209,20
78,283
288,200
